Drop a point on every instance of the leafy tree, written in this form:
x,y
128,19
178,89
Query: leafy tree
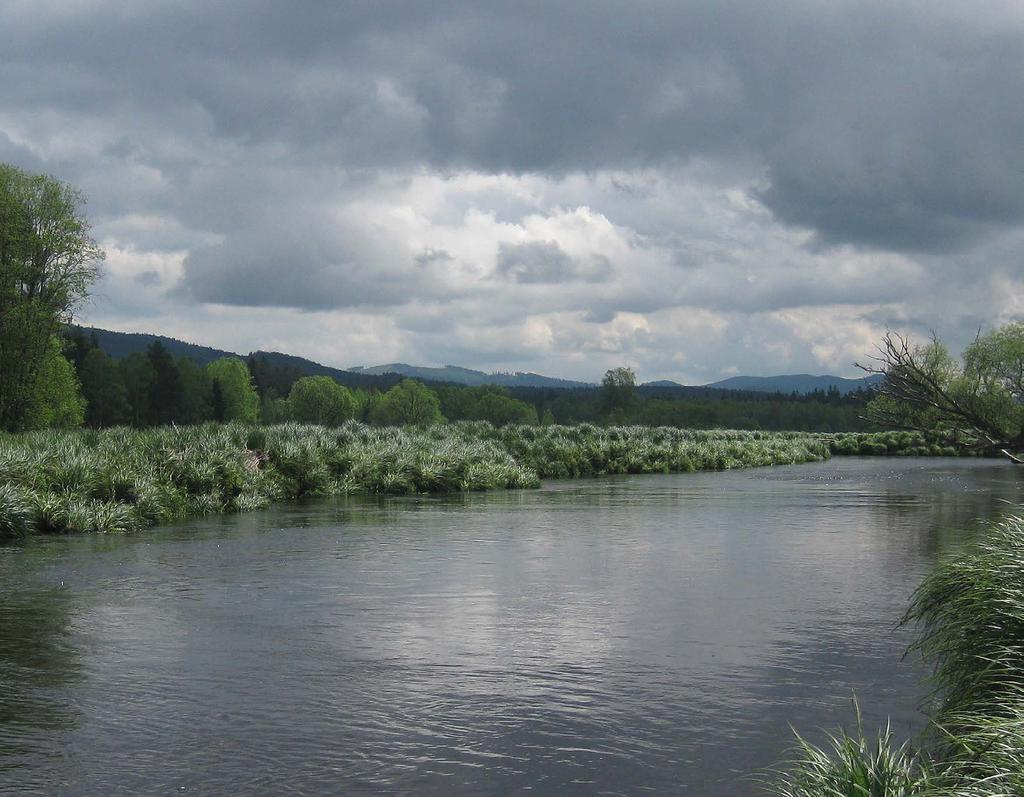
x,y
979,401
484,403
618,394
104,390
273,408
55,400
321,400
166,391
48,262
196,404
138,376
408,402
232,379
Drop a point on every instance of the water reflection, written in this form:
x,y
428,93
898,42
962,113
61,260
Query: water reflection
x,y
38,662
607,636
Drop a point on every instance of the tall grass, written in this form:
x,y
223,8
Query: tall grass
x,y
971,612
893,443
122,479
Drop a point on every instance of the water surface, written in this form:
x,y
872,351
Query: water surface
x,y
608,636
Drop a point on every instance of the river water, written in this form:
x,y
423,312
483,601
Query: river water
x,y
609,636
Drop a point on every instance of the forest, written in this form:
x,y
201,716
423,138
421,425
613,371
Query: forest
x,y
154,388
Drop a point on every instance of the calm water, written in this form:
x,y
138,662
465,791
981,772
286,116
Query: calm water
x,y
602,637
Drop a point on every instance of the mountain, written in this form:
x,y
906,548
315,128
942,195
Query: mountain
x,y
123,344
795,383
467,376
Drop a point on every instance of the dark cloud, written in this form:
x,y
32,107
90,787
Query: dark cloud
x,y
888,125
373,155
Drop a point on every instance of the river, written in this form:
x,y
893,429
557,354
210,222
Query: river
x,y
609,636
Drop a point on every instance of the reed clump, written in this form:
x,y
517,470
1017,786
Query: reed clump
x,y
971,612
120,479
893,443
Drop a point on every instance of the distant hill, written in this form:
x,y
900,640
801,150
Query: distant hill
x,y
795,383
467,376
123,344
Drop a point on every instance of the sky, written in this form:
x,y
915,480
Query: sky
x,y
693,189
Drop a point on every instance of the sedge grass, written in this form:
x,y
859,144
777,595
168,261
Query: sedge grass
x,y
121,479
971,614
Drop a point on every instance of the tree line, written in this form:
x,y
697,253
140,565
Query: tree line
x,y
153,388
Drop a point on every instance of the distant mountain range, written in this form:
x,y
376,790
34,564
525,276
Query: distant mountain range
x,y
122,344
467,376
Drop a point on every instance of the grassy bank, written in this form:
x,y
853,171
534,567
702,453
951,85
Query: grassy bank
x,y
124,479
971,611
907,444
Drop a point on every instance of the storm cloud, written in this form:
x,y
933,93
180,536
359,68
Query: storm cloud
x,y
693,188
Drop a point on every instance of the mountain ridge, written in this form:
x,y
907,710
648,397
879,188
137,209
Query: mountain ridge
x,y
122,344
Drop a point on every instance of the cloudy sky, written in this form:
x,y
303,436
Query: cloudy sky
x,y
696,189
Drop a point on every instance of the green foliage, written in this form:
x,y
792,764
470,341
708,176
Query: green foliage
x,y
971,612
854,767
905,443
119,479
47,264
234,386
618,394
55,400
16,515
485,403
980,400
321,400
408,402
104,391
166,388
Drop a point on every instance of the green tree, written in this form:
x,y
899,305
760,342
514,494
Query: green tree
x,y
618,394
979,401
408,402
166,391
104,390
196,405
55,400
48,262
321,400
231,377
137,374
273,408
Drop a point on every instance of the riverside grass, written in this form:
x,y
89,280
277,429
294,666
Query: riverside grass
x,y
971,612
118,480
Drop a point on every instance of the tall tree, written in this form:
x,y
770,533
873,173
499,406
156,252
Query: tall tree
x,y
232,378
166,390
55,400
618,394
104,390
48,262
408,402
321,400
979,400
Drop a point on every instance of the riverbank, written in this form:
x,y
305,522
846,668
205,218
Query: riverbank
x,y
971,612
118,480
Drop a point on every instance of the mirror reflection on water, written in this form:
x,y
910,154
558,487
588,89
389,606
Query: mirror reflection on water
x,y
607,636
